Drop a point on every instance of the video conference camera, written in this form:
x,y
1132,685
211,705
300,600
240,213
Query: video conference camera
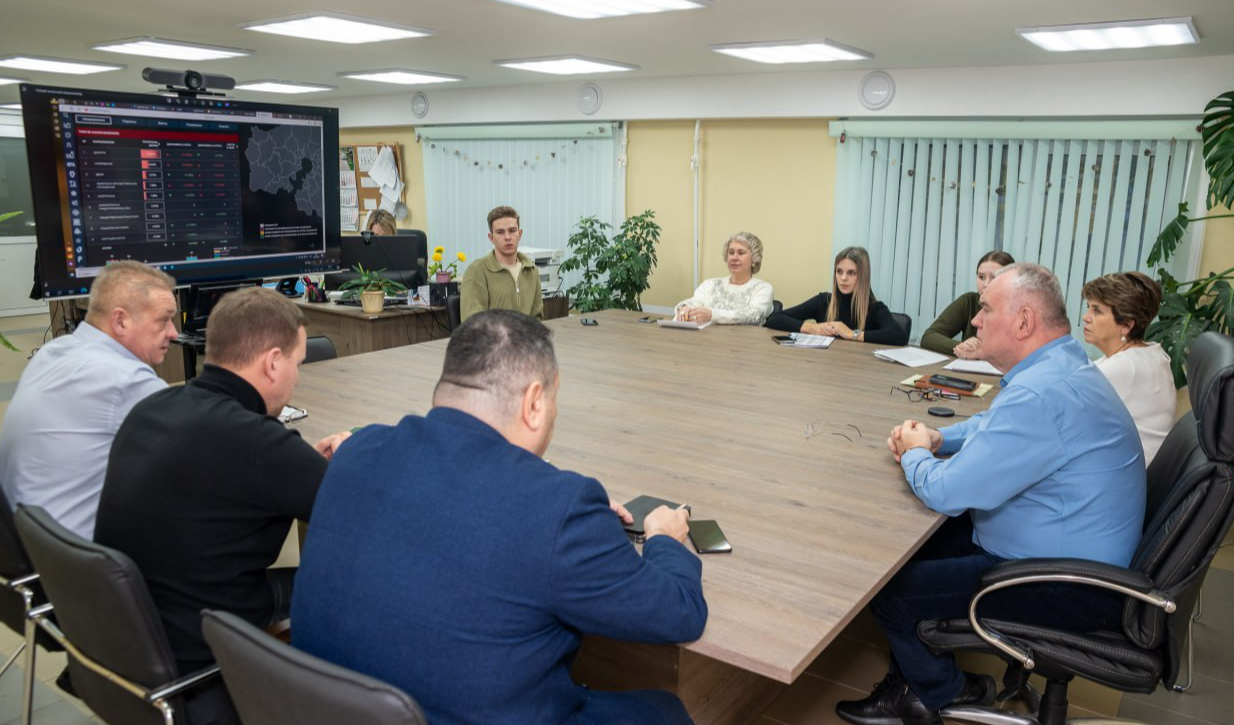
x,y
189,82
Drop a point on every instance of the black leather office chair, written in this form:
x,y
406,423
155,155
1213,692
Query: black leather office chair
x,y
906,323
1189,510
273,683
20,592
318,348
119,659
454,311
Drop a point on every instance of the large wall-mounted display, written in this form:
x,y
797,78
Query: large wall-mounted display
x,y
205,188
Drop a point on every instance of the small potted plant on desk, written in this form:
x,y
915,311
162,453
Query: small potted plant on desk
x,y
441,272
372,287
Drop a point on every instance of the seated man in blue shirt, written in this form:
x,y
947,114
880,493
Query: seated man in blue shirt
x,y
1052,469
447,557
77,390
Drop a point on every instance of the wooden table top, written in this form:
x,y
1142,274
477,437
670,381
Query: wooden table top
x,y
715,418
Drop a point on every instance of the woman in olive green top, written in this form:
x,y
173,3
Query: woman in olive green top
x,y
957,319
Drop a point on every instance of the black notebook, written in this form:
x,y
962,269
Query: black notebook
x,y
639,508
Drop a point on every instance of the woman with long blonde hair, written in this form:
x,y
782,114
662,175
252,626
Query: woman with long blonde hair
x,y
849,312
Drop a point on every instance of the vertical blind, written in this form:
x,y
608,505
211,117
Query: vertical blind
x,y
928,207
552,180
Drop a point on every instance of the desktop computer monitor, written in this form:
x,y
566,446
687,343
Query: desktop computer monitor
x,y
403,257
208,189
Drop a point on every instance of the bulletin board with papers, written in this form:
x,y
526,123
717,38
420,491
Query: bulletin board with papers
x,y
370,178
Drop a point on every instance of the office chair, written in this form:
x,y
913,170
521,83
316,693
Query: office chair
x,y
119,659
19,593
318,348
1189,510
454,305
906,323
274,683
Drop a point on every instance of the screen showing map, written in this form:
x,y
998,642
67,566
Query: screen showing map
x,y
206,189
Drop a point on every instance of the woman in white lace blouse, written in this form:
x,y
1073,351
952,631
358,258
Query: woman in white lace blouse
x,y
738,299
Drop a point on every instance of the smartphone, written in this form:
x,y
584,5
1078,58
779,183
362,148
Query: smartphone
x,y
589,321
647,319
783,339
708,538
292,413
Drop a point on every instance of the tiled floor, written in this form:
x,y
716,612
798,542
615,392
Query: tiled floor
x,y
846,670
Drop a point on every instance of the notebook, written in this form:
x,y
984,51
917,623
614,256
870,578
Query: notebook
x,y
639,508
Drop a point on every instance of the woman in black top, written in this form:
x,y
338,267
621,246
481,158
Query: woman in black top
x,y
851,313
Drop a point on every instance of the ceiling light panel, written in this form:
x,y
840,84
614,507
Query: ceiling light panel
x,y
566,65
592,9
1110,36
402,77
174,49
821,50
56,65
268,86
338,28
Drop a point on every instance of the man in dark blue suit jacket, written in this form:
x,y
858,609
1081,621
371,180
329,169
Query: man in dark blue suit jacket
x,y
447,557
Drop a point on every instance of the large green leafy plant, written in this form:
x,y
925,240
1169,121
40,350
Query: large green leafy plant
x,y
370,280
1189,309
615,272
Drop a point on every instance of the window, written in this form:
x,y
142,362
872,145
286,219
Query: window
x,y
553,174
927,207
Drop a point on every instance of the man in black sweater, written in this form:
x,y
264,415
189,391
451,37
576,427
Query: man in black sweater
x,y
203,481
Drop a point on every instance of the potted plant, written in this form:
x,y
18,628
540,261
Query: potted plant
x,y
444,272
1189,309
615,272
372,287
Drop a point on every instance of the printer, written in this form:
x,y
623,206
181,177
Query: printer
x,y
549,262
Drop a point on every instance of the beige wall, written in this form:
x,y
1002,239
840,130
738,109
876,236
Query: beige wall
x,y
413,166
772,177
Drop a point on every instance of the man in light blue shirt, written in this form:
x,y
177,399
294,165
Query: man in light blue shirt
x,y
76,391
1054,468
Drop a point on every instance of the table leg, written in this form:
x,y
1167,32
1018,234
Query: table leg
x,y
714,693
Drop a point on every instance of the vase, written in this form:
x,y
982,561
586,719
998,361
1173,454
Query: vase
x,y
443,278
372,301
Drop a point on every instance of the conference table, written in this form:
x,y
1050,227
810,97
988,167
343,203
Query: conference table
x,y
784,447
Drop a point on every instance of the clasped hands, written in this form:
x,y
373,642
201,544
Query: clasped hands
x,y
700,315
913,434
969,349
835,328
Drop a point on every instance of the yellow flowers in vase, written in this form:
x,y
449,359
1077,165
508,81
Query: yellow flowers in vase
x,y
444,272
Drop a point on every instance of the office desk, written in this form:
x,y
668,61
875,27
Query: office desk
x,y
715,418
354,331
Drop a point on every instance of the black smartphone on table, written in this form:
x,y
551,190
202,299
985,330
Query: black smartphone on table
x,y
783,339
708,538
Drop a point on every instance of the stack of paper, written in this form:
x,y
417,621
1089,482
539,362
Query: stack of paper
x,y
980,367
914,357
684,324
802,340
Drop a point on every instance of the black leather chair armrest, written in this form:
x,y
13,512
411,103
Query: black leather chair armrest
x,y
1093,572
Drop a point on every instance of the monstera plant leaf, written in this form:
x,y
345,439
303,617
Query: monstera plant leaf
x,y
1217,130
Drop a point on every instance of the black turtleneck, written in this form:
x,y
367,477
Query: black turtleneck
x,y
880,326
201,489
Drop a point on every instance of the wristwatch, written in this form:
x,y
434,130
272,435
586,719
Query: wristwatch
x,y
856,333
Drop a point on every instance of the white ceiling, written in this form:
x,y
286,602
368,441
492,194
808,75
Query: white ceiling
x,y
473,33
